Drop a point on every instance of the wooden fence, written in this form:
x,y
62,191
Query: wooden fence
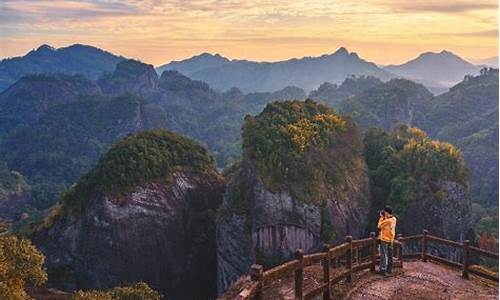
x,y
349,251
465,246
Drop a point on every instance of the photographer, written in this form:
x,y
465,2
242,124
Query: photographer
x,y
387,227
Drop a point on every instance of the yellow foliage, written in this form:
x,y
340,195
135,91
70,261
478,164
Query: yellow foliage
x,y
306,132
20,262
138,291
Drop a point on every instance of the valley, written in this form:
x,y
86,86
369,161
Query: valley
x,y
184,176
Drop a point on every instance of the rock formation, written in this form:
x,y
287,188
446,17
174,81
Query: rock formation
x,y
15,195
321,196
130,76
146,212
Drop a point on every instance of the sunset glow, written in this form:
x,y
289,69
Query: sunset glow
x,y
385,31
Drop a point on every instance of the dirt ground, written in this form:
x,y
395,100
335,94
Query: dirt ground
x,y
419,280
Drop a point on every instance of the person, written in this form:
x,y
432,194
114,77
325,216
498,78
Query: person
x,y
387,227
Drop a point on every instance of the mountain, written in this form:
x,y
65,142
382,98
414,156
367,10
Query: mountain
x,y
74,59
488,62
129,76
467,116
249,76
302,182
387,104
435,70
28,99
195,63
332,94
53,128
145,212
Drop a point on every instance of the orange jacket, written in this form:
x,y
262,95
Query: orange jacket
x,y
387,228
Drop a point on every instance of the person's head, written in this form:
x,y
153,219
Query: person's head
x,y
387,211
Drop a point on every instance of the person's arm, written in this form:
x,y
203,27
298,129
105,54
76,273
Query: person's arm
x,y
380,222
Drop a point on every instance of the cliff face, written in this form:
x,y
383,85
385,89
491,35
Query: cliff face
x,y
450,217
265,225
130,76
15,195
160,231
280,225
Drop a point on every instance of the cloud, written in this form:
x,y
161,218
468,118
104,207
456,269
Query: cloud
x,y
485,33
436,6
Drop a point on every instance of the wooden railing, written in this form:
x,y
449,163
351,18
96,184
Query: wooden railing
x,y
465,263
349,251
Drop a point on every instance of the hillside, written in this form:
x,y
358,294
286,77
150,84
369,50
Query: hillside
x,y
60,124
333,94
467,116
385,105
74,59
249,76
68,139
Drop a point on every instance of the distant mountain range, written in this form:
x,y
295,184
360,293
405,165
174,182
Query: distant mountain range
x,y
307,73
490,61
437,71
75,59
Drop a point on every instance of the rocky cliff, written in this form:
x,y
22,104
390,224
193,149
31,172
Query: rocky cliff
x,y
130,76
294,189
15,195
146,212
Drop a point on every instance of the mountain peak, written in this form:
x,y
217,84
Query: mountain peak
x,y
45,47
341,51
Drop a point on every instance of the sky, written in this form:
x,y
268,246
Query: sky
x,y
156,32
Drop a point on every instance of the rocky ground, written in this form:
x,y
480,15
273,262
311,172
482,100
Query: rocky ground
x,y
419,280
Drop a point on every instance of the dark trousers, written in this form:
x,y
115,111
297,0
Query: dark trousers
x,y
385,257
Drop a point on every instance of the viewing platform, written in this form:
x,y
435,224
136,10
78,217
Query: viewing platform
x,y
347,271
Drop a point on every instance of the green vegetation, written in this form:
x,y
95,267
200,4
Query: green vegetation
x,y
67,142
289,143
467,117
406,166
385,105
20,263
138,291
143,157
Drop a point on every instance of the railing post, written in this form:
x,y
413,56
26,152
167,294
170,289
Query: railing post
x,y
257,274
348,239
299,275
373,250
465,267
400,249
326,272
424,246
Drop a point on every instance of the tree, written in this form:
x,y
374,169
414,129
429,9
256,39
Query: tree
x,y
20,263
